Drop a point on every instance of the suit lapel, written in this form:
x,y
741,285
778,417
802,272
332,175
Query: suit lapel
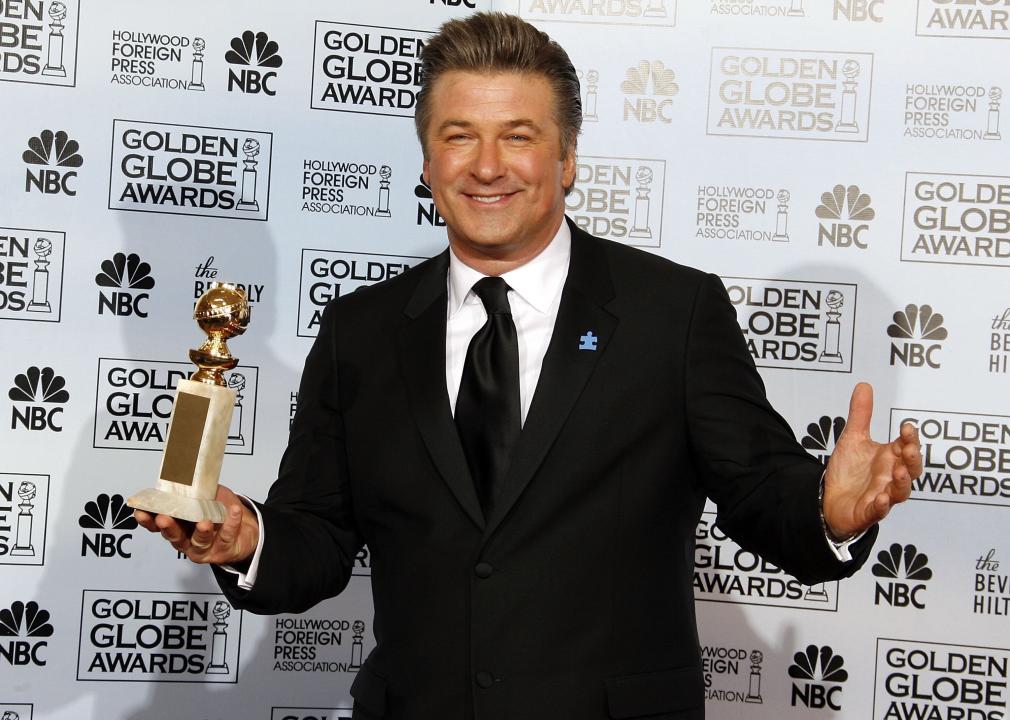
x,y
421,348
567,366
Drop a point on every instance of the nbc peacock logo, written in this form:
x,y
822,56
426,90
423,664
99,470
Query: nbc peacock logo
x,y
252,52
817,673
845,213
650,87
427,213
903,570
49,157
822,436
38,396
917,333
106,521
23,627
126,277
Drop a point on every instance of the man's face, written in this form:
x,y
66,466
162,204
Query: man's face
x,y
494,164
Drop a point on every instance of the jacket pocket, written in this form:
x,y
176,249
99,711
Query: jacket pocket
x,y
369,691
663,691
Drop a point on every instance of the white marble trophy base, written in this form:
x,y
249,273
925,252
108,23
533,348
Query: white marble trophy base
x,y
194,451
178,506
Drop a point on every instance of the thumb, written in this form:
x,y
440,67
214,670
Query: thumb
x,y
860,410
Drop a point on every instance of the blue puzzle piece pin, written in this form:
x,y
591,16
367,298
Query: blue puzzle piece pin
x,y
588,341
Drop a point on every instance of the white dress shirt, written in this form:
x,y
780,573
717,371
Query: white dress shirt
x,y
534,298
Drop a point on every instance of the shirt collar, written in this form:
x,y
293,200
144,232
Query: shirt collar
x,y
538,282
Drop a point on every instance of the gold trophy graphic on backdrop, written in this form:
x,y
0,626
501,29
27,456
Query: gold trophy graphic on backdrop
x,y
201,416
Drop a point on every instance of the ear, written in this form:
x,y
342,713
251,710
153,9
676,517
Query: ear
x,y
568,168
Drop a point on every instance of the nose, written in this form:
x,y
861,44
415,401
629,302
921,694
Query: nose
x,y
488,163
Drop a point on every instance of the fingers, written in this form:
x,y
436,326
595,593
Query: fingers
x,y
860,410
201,542
880,507
911,451
145,520
229,530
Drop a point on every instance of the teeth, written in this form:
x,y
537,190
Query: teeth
x,y
487,198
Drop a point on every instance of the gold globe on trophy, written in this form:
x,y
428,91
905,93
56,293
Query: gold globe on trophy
x,y
201,416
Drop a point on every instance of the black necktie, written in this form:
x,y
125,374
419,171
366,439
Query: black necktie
x,y
487,406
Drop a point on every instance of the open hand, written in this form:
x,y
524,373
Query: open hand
x,y
230,543
865,479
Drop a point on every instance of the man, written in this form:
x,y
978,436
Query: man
x,y
546,572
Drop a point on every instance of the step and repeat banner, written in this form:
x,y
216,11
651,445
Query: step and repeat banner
x,y
841,164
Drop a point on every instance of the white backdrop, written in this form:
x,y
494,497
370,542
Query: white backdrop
x,y
841,164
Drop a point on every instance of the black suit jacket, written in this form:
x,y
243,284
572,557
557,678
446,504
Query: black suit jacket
x,y
574,599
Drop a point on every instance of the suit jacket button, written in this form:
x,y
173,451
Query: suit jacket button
x,y
484,679
483,570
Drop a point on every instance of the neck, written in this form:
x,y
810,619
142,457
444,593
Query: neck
x,y
498,261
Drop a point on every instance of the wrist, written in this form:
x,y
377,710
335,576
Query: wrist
x,y
829,532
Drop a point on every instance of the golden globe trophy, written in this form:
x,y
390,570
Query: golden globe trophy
x,y
201,416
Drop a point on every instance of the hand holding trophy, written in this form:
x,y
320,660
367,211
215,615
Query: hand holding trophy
x,y
201,416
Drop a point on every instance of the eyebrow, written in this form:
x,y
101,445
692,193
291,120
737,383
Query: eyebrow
x,y
508,125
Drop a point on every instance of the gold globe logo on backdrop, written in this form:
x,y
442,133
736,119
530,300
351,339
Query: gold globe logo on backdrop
x,y
982,19
366,69
798,94
796,324
619,198
725,572
956,219
135,397
24,510
916,678
38,42
329,274
31,284
658,13
190,170
964,456
139,636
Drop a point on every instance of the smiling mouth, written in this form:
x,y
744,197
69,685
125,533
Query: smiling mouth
x,y
489,199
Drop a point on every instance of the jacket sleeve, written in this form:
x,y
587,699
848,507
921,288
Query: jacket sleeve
x,y
311,537
762,481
